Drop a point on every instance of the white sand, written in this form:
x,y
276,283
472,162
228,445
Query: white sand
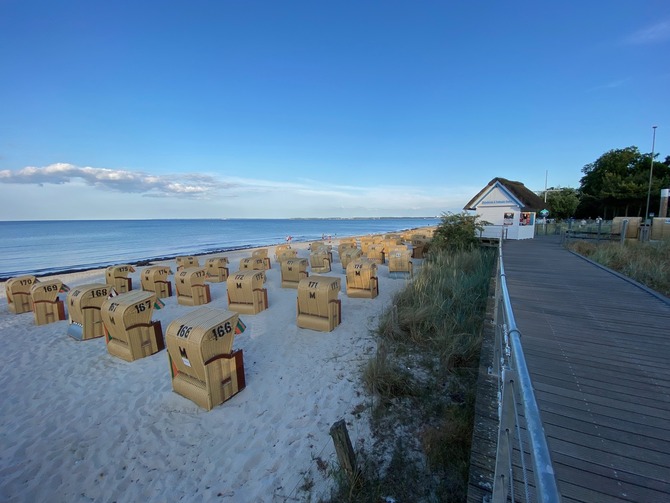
x,y
81,425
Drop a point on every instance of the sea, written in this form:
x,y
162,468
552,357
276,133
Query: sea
x,y
57,246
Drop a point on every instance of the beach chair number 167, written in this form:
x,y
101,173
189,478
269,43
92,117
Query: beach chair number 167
x,y
142,306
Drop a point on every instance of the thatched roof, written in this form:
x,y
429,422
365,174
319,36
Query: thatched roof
x,y
527,199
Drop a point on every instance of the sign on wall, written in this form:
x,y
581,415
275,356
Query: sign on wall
x,y
527,218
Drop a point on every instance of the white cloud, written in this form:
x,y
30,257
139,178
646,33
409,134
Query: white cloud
x,y
185,185
650,35
196,195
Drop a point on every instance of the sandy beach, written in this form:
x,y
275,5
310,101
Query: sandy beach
x,y
79,424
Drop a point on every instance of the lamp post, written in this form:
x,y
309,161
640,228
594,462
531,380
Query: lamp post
x,y
651,172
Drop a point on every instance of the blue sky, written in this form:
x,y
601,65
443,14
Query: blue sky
x,y
194,109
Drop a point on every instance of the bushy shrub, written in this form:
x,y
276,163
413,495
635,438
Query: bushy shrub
x,y
457,231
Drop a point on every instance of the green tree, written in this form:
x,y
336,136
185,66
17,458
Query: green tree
x,y
458,231
616,183
562,203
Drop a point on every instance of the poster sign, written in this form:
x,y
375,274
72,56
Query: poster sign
x,y
508,218
526,218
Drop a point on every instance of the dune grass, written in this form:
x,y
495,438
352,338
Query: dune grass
x,y
423,380
645,262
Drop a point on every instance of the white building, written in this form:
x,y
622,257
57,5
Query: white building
x,y
509,207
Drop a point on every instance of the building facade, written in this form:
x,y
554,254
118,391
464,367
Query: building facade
x,y
509,208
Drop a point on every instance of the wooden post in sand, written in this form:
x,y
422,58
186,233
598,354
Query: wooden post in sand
x,y
344,449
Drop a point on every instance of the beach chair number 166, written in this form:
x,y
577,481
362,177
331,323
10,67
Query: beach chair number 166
x,y
222,330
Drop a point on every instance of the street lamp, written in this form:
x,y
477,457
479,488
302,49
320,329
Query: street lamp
x,y
651,172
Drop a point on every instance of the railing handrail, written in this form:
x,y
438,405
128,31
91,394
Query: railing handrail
x,y
545,480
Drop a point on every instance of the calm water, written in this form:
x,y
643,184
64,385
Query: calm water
x,y
47,247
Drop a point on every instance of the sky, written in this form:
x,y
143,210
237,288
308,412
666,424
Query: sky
x,y
283,109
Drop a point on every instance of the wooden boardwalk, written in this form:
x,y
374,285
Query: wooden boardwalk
x,y
598,349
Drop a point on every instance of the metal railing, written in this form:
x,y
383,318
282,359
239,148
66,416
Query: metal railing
x,y
493,231
518,412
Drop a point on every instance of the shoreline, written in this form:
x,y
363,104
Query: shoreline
x,y
143,262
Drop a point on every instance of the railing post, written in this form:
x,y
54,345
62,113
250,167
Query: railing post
x,y
624,230
504,480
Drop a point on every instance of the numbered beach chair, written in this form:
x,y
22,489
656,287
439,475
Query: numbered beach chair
x,y
362,279
366,241
318,244
419,244
246,294
376,253
184,261
286,254
129,332
400,262
319,307
83,306
217,269
343,247
191,287
47,306
348,255
18,293
262,253
292,271
203,364
254,264
155,279
116,276
320,259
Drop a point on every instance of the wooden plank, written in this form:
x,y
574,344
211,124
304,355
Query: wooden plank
x,y
609,391
587,469
588,425
615,422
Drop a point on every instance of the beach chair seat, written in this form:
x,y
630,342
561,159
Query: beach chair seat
x,y
116,276
155,279
362,281
184,261
349,255
320,260
191,287
376,253
217,269
292,271
319,307
203,365
130,334
343,247
255,264
83,306
400,261
47,306
286,254
18,293
246,294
